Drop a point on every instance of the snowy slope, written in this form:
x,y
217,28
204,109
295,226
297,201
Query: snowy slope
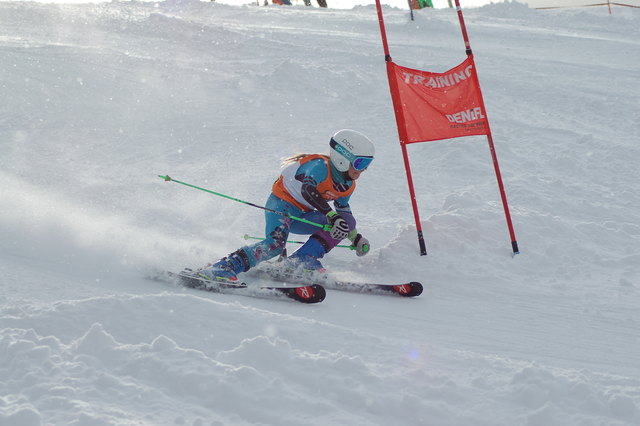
x,y
99,99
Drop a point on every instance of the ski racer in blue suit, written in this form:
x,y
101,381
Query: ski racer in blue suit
x,y
308,182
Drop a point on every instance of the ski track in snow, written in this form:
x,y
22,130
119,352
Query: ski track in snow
x,y
99,99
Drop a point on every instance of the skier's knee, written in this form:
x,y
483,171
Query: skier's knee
x,y
277,239
348,217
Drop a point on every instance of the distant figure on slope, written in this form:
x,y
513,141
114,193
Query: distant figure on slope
x,y
419,4
306,185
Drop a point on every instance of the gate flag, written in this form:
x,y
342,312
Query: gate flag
x,y
435,106
440,105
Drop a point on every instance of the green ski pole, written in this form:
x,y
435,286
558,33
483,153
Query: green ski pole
x,y
248,237
326,227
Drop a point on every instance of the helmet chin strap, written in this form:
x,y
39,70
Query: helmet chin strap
x,y
344,175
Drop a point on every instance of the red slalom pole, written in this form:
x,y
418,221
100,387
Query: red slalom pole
x,y
402,133
494,157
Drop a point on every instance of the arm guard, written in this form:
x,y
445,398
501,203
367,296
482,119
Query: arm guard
x,y
312,196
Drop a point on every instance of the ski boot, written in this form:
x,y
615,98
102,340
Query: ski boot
x,y
305,259
227,268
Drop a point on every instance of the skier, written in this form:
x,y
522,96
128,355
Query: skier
x,y
306,185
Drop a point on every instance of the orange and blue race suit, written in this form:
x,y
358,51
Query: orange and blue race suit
x,y
304,189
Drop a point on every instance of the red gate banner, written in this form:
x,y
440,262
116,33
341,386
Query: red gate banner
x,y
440,105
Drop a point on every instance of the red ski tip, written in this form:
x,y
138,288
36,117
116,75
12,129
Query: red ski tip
x,y
304,292
309,294
411,289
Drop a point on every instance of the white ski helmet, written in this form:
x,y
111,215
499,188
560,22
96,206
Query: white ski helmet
x,y
349,147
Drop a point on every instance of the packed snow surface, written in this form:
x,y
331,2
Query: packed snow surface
x,y
100,99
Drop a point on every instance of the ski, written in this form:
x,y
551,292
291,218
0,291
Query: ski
x,y
282,273
304,293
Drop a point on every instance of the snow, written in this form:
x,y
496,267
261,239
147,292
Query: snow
x,y
100,99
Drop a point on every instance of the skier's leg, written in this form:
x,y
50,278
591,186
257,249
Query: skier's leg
x,y
245,258
276,231
320,242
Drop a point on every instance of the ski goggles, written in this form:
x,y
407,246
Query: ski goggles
x,y
359,162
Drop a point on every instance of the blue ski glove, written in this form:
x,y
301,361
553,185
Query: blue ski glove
x,y
339,227
359,242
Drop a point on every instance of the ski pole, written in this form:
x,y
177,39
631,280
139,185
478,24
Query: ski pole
x,y
248,237
326,227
